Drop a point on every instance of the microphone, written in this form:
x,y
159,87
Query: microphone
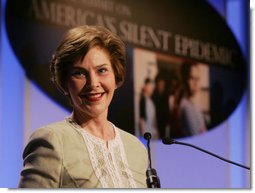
x,y
152,178
169,141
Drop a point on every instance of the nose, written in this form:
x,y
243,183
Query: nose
x,y
92,81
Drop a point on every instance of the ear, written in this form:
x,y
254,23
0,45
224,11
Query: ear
x,y
116,85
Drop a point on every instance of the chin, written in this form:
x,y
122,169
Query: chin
x,y
95,112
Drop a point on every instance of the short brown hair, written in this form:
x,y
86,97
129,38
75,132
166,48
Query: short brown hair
x,y
75,45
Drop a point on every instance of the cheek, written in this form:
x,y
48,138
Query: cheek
x,y
111,86
75,85
110,82
190,83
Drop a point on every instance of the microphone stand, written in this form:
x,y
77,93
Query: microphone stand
x,y
152,178
169,141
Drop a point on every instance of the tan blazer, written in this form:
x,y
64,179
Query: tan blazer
x,y
56,157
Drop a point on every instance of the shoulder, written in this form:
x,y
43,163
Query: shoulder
x,y
51,136
58,129
185,105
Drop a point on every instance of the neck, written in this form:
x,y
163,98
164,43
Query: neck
x,y
192,98
97,126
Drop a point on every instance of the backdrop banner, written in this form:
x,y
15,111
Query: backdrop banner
x,y
185,70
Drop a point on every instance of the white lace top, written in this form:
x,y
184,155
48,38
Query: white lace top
x,y
109,163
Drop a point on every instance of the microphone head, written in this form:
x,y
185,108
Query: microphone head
x,y
147,136
168,141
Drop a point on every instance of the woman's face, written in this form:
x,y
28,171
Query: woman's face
x,y
91,83
148,89
194,80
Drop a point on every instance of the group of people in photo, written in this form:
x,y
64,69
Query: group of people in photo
x,y
167,105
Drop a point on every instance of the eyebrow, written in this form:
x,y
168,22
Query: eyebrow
x,y
95,67
77,68
102,65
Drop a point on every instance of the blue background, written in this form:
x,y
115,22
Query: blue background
x,y
23,108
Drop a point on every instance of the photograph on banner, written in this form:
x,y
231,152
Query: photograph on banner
x,y
171,95
178,97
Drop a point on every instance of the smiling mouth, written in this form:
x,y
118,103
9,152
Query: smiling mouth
x,y
93,97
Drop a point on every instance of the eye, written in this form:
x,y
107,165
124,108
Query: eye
x,y
78,73
102,70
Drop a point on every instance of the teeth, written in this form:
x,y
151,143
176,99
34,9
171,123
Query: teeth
x,y
94,95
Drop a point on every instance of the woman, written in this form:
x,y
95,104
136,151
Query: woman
x,y
86,150
147,116
187,119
